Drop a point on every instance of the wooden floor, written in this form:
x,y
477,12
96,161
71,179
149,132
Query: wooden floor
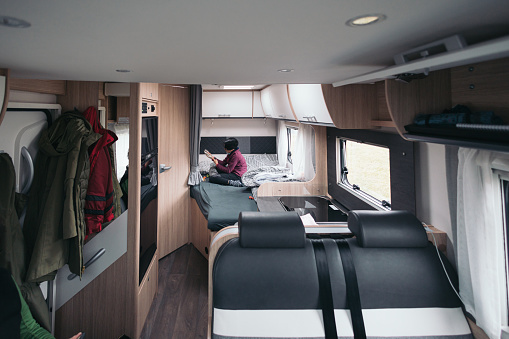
x,y
179,309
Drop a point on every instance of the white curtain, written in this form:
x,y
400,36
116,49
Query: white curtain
x,y
303,153
480,247
282,143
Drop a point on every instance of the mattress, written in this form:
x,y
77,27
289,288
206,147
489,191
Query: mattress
x,y
221,205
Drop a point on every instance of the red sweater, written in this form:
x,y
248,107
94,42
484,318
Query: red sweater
x,y
233,163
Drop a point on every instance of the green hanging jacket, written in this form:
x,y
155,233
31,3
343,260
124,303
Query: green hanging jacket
x,y
54,226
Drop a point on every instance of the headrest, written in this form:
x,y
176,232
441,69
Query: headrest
x,y
271,230
387,229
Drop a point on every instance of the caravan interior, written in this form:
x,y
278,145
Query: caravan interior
x,y
384,123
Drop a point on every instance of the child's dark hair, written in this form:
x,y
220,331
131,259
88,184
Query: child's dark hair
x,y
231,143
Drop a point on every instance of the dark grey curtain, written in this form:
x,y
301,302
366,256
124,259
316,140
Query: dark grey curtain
x,y
194,133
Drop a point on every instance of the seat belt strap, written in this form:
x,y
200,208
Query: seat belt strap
x,y
325,289
352,289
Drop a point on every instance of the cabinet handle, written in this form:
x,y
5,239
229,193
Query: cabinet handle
x,y
163,167
224,115
89,263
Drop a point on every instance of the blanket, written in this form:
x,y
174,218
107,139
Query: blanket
x,y
221,205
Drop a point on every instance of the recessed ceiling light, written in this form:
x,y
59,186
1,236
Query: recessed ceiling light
x,y
236,87
365,20
123,71
13,22
285,70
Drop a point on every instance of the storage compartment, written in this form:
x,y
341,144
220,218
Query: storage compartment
x,y
480,87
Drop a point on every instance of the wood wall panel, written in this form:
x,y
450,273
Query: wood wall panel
x,y
99,309
351,106
482,87
79,95
382,109
173,151
133,217
317,186
39,86
199,234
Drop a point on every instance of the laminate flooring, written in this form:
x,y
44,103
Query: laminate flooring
x,y
179,309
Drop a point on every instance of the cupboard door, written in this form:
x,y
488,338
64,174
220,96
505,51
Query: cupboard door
x,y
227,104
149,91
308,103
173,151
280,102
257,105
268,110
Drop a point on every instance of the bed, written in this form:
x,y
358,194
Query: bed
x,y
221,205
216,206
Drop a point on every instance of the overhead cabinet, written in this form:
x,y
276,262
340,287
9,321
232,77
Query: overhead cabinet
x,y
308,103
227,104
481,87
149,91
275,102
257,105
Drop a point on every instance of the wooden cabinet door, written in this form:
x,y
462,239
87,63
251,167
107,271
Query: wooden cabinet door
x,y
149,91
173,191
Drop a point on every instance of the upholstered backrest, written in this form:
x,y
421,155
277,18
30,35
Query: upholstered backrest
x,y
268,288
271,230
387,229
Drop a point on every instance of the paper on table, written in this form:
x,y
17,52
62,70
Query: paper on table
x,y
308,220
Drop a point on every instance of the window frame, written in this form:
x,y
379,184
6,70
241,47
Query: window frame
x,y
342,177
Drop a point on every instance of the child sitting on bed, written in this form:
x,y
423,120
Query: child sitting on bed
x,y
229,170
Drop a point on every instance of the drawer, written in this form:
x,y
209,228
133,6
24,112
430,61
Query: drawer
x,y
112,241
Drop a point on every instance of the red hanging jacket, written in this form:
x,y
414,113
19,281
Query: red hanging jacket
x,y
99,201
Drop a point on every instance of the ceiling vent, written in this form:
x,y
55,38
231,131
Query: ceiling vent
x,y
453,43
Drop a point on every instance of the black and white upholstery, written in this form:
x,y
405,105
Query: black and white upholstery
x,y
265,283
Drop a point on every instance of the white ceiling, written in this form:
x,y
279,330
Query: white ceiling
x,y
229,41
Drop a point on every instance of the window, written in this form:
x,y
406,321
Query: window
x,y
292,136
365,171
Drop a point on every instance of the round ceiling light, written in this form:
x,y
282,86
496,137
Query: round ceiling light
x,y
285,70
365,20
13,22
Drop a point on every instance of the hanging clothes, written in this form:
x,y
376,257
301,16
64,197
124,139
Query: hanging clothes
x,y
12,244
102,199
54,226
